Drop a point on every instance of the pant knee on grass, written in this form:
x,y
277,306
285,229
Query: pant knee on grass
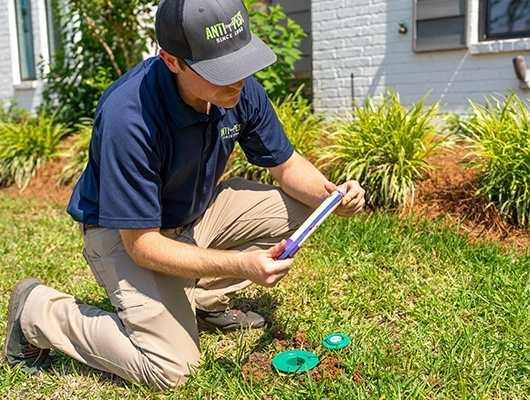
x,y
169,375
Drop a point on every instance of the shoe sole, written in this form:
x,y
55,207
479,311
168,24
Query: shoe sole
x,y
16,303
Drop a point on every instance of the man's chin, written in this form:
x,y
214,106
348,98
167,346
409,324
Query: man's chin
x,y
229,103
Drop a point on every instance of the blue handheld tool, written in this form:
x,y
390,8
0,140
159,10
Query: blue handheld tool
x,y
309,226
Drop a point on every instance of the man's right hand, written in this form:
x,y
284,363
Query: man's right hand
x,y
263,267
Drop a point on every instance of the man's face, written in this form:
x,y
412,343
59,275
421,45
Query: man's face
x,y
222,96
197,91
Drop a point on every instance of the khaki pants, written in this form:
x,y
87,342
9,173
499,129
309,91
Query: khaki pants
x,y
153,338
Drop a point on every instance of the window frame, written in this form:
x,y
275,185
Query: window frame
x,y
434,13
484,24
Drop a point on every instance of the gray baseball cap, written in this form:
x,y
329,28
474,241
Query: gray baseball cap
x,y
213,37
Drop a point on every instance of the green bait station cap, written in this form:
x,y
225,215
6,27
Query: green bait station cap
x,y
293,361
336,341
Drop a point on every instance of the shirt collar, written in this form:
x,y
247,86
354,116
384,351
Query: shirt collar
x,y
182,113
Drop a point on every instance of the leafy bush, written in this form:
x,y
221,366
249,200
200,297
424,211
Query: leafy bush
x,y
101,40
384,146
284,36
26,146
77,153
303,128
239,166
458,125
500,143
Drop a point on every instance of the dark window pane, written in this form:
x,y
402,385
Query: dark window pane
x,y
439,25
508,18
440,34
25,39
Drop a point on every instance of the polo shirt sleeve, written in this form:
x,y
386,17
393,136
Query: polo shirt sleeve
x,y
263,139
130,162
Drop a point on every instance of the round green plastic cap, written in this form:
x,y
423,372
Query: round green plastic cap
x,y
336,341
292,361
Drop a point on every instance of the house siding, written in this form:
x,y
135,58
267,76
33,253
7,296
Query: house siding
x,y
27,94
348,37
362,38
7,8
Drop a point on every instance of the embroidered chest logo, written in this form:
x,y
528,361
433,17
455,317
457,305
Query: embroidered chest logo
x,y
221,31
230,132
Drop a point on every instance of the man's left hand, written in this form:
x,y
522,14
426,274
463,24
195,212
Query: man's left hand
x,y
353,200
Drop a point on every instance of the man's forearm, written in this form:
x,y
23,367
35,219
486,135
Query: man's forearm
x,y
301,180
151,250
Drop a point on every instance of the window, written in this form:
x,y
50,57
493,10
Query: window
x,y
25,40
53,28
439,25
504,19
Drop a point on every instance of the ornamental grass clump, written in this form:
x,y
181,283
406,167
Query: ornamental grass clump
x,y
303,128
385,145
26,146
500,151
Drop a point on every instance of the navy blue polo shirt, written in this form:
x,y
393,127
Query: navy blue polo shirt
x,y
154,161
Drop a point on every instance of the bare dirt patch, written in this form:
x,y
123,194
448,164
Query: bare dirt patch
x,y
258,367
45,186
448,193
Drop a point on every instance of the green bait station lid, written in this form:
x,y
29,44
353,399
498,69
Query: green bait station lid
x,y
336,341
295,361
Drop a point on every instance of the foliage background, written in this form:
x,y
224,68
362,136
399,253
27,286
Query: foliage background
x,y
101,40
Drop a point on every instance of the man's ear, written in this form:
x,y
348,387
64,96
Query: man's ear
x,y
171,61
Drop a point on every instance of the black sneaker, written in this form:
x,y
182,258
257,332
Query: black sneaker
x,y
17,349
229,320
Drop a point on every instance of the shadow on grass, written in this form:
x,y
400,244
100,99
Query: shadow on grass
x,y
275,335
266,305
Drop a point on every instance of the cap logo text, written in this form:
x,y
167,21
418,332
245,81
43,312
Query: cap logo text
x,y
221,31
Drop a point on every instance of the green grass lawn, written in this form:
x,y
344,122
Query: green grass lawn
x,y
428,314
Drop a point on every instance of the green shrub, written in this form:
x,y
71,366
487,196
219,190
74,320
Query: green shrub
x,y
77,153
26,146
239,166
384,146
100,40
303,128
500,150
284,36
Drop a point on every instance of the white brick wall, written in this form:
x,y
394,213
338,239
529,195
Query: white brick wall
x,y
7,8
361,37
